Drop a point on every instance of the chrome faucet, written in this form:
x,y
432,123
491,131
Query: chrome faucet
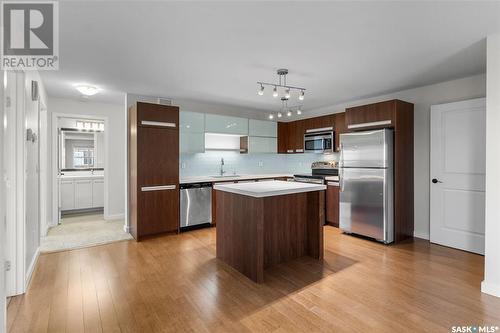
x,y
222,172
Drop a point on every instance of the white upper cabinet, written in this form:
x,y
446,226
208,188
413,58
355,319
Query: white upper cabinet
x,y
192,132
193,122
192,142
225,124
262,128
257,144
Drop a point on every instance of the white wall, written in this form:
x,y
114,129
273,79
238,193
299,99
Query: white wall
x,y
3,307
31,164
422,98
491,283
115,133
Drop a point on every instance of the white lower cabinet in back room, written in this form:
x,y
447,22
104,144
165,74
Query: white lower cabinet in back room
x,y
98,193
83,194
67,188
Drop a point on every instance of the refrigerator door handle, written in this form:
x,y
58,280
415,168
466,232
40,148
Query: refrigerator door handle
x,y
341,180
341,160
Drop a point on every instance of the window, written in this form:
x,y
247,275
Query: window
x,y
83,157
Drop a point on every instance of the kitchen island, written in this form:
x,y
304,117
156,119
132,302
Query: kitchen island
x,y
262,224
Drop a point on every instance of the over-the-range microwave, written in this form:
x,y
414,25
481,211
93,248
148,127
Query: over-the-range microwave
x,y
321,140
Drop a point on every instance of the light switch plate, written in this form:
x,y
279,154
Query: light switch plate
x,y
183,165
261,164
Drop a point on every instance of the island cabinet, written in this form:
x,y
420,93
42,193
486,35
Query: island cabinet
x,y
262,224
154,169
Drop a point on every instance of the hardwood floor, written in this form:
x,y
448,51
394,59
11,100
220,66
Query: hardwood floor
x,y
175,284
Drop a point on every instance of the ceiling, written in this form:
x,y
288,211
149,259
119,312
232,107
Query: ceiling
x,y
216,51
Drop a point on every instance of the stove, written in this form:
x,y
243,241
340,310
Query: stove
x,y
321,173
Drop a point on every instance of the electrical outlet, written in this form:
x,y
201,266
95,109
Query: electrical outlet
x,y
261,164
183,165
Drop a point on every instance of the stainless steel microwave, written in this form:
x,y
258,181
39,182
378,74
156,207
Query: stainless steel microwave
x,y
319,141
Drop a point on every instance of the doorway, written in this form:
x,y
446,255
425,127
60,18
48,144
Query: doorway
x,y
79,194
458,169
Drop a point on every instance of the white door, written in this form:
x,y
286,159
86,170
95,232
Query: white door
x,y
457,184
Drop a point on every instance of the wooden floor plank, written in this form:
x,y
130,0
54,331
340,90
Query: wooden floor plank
x,y
174,283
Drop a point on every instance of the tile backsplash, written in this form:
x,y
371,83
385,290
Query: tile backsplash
x,y
208,163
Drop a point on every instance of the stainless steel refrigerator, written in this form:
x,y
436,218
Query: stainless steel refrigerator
x,y
366,184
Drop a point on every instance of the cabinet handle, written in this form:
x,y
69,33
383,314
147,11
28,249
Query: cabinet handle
x,y
158,123
157,188
289,151
373,123
299,150
333,184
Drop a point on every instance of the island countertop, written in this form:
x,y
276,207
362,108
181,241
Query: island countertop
x,y
269,188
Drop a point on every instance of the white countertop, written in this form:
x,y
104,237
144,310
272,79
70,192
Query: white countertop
x,y
215,179
269,189
86,176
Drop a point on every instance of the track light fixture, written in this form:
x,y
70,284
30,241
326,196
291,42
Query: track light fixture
x,y
282,73
261,90
275,92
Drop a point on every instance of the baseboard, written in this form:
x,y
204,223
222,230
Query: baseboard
x,y
31,268
126,228
420,235
113,217
490,288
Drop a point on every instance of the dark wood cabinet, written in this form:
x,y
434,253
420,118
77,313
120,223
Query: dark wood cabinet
x,y
377,115
154,169
332,205
398,115
340,128
291,134
283,134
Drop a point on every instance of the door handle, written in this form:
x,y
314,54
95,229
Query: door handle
x,y
435,181
157,188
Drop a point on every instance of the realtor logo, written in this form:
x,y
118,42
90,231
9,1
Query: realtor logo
x,y
30,35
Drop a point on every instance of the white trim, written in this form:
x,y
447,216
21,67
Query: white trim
x,y
421,235
490,288
31,269
126,228
114,217
322,129
369,124
157,123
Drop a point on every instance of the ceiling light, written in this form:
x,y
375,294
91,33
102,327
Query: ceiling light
x,y
87,90
299,111
301,95
271,116
279,115
287,93
261,90
275,92
289,113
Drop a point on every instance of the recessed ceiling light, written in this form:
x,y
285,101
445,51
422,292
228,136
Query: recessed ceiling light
x,y
87,90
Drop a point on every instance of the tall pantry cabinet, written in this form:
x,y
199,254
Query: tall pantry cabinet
x,y
154,169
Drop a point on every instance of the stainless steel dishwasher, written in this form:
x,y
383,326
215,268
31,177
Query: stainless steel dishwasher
x,y
196,205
